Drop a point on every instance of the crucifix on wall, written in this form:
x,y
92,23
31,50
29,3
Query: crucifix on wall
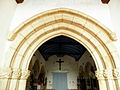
x,y
59,63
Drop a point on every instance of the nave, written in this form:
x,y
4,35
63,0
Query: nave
x,y
62,63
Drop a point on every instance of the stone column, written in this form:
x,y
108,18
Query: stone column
x,y
107,79
13,79
116,74
101,80
108,75
5,75
23,80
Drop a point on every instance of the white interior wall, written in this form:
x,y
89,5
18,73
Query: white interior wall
x,y
69,66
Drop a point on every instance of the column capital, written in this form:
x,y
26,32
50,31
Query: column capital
x,y
5,73
99,74
14,73
108,74
116,73
25,74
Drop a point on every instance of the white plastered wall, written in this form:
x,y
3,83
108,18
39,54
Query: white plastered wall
x,y
114,6
94,8
7,10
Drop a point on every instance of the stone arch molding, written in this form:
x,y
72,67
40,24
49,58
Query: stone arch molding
x,y
97,39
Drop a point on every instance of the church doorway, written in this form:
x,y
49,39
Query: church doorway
x,y
68,65
30,35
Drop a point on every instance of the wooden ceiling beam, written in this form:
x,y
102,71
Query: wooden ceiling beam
x,y
19,1
105,1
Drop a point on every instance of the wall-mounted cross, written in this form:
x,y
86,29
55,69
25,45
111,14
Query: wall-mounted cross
x,y
59,63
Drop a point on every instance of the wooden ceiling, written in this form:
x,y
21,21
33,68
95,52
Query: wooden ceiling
x,y
61,46
103,1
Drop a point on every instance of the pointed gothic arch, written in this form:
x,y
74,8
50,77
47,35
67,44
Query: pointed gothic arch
x,y
94,36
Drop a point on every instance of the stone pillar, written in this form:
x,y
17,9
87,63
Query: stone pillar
x,y
101,80
23,80
13,79
116,74
5,75
108,75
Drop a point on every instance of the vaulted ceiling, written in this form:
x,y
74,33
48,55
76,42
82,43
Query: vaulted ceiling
x,y
61,46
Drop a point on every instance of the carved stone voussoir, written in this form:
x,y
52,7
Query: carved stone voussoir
x,y
5,73
25,74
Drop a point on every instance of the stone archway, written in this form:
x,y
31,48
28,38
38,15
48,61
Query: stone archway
x,y
26,38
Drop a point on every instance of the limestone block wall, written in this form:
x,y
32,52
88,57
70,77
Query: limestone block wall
x,y
70,66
